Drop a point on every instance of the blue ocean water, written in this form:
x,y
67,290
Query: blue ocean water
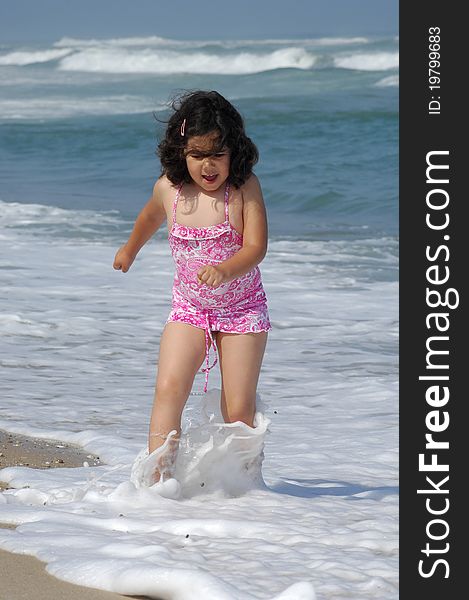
x,y
79,341
77,129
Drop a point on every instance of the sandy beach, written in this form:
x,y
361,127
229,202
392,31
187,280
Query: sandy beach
x,y
24,577
22,451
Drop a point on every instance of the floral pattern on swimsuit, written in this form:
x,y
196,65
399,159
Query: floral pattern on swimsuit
x,y
238,306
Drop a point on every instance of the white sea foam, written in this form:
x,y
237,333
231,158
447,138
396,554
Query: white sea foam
x,y
338,41
60,107
18,215
376,61
79,343
158,41
117,60
22,58
391,81
69,42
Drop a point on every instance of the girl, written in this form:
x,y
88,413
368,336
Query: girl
x,y
217,231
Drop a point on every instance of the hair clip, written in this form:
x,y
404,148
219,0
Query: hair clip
x,y
183,126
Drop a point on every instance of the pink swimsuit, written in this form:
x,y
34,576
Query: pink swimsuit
x,y
239,306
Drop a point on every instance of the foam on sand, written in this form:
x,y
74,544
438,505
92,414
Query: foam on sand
x,y
27,578
215,459
85,357
18,450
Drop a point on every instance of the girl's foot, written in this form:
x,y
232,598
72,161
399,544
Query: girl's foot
x,y
164,463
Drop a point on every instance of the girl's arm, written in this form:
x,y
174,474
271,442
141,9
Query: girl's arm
x,y
255,236
149,220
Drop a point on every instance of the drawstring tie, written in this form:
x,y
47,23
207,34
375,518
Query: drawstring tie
x,y
208,336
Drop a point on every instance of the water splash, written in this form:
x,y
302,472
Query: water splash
x,y
213,457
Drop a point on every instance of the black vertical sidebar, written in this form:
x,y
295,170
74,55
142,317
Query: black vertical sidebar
x,y
434,353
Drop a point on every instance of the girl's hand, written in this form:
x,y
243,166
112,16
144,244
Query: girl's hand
x,y
211,275
123,260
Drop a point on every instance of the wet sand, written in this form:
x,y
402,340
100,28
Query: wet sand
x,y
24,577
21,451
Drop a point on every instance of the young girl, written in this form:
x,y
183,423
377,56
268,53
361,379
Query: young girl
x,y
217,231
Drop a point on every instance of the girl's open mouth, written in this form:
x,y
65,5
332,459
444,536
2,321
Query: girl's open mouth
x,y
210,178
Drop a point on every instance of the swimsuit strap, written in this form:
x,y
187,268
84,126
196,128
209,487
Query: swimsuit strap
x,y
208,336
176,198
227,193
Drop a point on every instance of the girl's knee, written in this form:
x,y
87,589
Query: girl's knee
x,y
170,386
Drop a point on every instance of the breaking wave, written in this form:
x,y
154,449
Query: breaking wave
x,y
163,61
377,61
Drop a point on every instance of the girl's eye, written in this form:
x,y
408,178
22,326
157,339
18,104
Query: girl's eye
x,y
202,156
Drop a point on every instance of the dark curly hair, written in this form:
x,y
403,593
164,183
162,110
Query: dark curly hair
x,y
205,113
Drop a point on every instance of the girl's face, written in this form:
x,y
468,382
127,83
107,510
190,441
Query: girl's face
x,y
208,170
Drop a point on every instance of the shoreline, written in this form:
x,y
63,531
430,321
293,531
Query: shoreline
x,y
24,576
37,453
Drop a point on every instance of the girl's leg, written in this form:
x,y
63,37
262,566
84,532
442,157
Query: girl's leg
x,y
182,352
240,356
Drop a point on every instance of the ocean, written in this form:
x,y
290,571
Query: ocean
x,y
79,341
